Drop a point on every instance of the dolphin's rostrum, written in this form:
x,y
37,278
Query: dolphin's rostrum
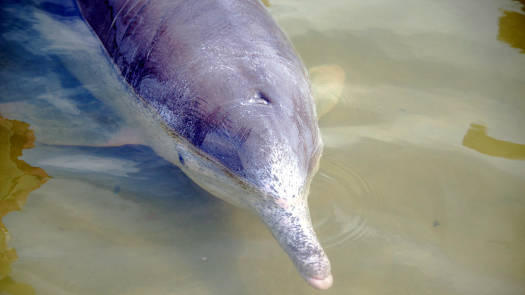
x,y
221,93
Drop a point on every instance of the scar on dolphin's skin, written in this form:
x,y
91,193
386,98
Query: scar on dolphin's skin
x,y
477,139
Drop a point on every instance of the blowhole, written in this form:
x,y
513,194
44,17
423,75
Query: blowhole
x,y
260,98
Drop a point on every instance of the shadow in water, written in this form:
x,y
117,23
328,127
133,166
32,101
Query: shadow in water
x,y
178,227
17,180
181,230
477,139
512,27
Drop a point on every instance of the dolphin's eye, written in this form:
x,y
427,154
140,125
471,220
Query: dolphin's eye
x,y
263,96
260,98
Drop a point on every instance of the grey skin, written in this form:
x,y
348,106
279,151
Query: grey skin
x,y
222,94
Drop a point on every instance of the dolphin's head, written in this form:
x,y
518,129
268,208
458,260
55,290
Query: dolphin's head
x,y
265,134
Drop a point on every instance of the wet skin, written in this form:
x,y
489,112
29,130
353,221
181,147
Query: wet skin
x,y
222,77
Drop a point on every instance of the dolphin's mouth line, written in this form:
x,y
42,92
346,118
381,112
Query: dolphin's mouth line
x,y
243,183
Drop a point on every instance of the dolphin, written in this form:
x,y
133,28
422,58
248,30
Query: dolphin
x,y
220,92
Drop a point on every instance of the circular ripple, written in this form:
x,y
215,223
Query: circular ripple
x,y
338,199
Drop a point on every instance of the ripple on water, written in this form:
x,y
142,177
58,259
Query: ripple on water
x,y
339,197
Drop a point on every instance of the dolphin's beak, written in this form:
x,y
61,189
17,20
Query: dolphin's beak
x,y
292,228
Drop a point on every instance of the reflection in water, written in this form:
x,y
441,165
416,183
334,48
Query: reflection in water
x,y
17,180
477,139
512,28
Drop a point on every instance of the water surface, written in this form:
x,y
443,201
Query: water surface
x,y
421,188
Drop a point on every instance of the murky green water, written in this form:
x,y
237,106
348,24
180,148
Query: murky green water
x,y
421,188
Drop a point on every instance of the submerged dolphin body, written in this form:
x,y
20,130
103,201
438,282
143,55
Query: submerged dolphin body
x,y
221,93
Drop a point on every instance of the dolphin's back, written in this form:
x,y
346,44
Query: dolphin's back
x,y
220,73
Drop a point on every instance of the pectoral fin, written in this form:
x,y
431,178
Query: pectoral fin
x,y
327,87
